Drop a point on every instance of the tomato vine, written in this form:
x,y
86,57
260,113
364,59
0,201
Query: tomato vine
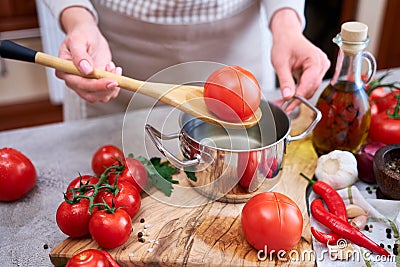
x,y
81,191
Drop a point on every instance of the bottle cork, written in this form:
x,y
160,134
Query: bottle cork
x,y
354,36
354,31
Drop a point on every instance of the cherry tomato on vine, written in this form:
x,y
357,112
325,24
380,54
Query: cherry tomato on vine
x,y
104,157
272,221
232,93
79,181
88,258
386,102
110,230
17,174
73,219
125,197
378,93
135,172
82,180
384,129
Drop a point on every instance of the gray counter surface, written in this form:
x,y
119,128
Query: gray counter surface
x,y
28,230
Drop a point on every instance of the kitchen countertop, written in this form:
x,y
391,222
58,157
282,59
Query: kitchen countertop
x,y
60,152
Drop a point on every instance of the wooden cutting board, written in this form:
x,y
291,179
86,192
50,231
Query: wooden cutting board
x,y
209,235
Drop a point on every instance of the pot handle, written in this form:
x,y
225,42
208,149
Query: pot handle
x,y
155,137
312,125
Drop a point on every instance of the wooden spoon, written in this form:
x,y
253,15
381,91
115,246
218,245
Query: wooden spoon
x,y
186,98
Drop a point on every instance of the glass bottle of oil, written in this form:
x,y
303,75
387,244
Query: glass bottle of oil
x,y
344,102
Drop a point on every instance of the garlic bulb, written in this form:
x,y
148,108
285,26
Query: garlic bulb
x,y
338,168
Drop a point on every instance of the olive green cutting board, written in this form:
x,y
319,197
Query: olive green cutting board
x,y
211,234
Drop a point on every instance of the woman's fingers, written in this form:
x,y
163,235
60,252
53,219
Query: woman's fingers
x,y
93,90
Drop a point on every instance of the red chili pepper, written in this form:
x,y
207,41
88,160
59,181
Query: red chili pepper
x,y
333,200
110,259
343,228
335,204
325,238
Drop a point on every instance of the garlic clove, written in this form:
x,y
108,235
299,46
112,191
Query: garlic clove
x,y
359,222
354,211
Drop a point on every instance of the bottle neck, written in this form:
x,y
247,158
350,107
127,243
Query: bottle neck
x,y
349,69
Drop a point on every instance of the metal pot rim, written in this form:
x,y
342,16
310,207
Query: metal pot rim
x,y
184,134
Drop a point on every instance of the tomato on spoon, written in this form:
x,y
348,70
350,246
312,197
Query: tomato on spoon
x,y
232,94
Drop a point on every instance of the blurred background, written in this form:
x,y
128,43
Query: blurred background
x,y
31,95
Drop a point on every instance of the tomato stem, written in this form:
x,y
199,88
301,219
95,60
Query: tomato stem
x,y
378,83
79,193
311,181
396,111
393,113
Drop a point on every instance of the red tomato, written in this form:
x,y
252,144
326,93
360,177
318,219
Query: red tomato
x,y
386,102
273,167
111,261
384,129
269,165
88,258
73,219
377,93
110,230
247,169
104,157
125,197
232,93
17,174
374,109
135,172
81,180
272,221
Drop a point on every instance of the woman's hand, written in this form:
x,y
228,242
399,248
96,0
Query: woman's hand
x,y
293,56
88,49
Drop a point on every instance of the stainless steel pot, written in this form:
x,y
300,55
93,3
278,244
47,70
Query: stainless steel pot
x,y
230,165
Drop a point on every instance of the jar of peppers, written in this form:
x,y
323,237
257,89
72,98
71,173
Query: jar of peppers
x,y
344,103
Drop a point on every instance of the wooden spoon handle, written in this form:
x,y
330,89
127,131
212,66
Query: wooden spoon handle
x,y
12,50
69,67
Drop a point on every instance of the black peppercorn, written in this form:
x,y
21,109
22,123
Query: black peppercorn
x,y
389,236
366,227
140,234
142,220
382,245
388,230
